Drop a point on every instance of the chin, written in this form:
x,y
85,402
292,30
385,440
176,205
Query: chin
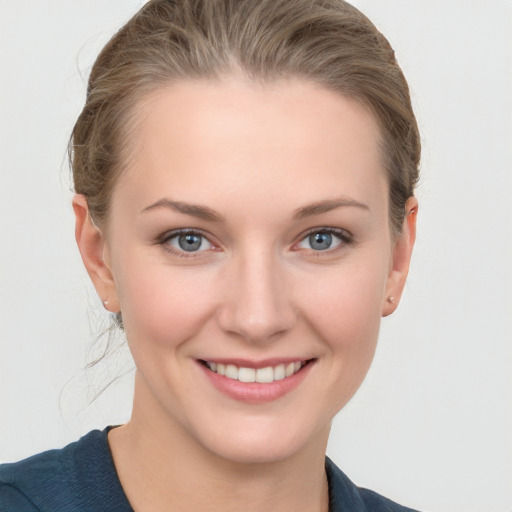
x,y
250,452
264,445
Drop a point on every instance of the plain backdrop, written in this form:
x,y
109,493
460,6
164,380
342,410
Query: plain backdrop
x,y
432,424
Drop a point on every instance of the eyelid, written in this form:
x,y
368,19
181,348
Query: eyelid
x,y
345,236
168,235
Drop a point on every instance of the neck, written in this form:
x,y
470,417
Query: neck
x,y
161,467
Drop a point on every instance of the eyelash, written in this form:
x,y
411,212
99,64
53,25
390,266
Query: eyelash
x,y
344,236
167,237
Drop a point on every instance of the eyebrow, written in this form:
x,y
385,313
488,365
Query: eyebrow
x,y
201,212
205,213
326,206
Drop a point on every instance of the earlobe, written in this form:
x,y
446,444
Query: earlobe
x,y
91,244
401,259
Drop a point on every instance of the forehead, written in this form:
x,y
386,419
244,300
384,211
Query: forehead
x,y
234,134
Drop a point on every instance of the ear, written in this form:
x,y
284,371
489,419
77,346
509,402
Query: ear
x,y
401,258
94,252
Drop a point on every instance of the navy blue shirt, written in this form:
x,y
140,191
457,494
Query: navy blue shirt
x,y
82,478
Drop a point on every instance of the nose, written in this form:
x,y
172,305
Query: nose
x,y
257,304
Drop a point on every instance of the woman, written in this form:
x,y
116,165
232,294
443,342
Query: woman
x,y
244,177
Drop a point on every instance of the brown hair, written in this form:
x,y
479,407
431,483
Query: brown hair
x,y
325,41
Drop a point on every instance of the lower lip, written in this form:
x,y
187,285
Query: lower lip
x,y
255,392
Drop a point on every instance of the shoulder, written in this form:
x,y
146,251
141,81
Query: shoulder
x,y
32,483
345,495
71,478
13,500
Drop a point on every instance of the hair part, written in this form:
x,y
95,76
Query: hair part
x,y
328,42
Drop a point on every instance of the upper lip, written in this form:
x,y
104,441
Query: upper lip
x,y
264,363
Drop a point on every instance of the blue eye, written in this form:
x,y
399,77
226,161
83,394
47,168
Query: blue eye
x,y
188,242
320,241
323,240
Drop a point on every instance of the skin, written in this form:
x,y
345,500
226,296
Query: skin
x,y
256,155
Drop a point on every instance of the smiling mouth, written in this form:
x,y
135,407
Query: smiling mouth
x,y
260,375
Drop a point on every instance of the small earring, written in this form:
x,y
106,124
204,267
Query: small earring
x,y
105,303
391,299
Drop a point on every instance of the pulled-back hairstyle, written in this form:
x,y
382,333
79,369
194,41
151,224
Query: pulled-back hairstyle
x,y
328,42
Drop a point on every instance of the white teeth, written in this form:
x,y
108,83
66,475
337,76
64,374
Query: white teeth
x,y
261,375
265,375
212,366
231,371
247,375
279,373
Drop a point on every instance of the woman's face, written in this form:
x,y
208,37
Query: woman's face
x,y
250,232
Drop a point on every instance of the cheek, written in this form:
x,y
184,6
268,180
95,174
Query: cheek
x,y
346,308
347,317
161,305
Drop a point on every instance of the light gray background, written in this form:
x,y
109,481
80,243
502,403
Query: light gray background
x,y
432,424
